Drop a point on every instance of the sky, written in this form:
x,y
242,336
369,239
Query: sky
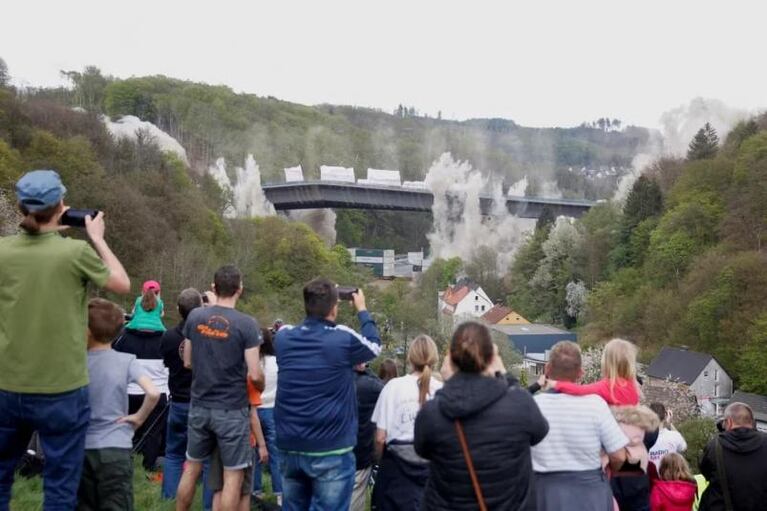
x,y
538,62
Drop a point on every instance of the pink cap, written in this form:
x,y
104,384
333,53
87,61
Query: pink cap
x,y
150,285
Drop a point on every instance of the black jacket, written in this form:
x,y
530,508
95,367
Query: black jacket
x,y
745,462
500,423
179,377
368,388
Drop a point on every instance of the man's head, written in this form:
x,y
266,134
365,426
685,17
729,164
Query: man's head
x,y
188,300
660,410
105,319
40,195
227,282
321,299
738,415
564,362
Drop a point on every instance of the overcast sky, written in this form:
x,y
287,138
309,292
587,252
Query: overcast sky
x,y
540,63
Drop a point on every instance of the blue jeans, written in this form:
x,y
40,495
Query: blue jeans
x,y
266,417
61,421
175,454
317,483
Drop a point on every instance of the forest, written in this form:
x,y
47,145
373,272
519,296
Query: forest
x,y
213,121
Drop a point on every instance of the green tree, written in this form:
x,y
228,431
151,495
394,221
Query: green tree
x,y
704,144
89,88
5,78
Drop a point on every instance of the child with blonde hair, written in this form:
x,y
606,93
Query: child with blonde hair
x,y
618,386
676,488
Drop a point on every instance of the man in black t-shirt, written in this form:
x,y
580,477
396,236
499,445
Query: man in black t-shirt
x,y
222,347
180,383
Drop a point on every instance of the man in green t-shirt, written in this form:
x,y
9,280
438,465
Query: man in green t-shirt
x,y
43,322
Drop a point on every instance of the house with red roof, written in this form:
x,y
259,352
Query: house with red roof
x,y
464,298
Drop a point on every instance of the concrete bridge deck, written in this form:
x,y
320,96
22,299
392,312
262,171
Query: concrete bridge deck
x,y
337,195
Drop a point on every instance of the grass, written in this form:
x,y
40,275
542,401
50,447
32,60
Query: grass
x,y
28,493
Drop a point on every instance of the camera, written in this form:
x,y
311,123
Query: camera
x,y
76,217
345,292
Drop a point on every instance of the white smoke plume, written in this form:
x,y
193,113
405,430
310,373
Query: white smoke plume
x,y
247,195
518,189
679,126
322,221
248,199
129,126
459,226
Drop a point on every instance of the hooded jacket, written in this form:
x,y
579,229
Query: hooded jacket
x,y
500,424
745,461
672,496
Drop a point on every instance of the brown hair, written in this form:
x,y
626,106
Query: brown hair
x,y
388,370
673,467
105,319
423,356
149,300
471,348
565,361
32,220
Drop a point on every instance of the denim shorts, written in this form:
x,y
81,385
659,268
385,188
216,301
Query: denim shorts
x,y
227,429
216,475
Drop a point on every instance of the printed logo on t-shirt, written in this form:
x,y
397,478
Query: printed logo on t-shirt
x,y
217,328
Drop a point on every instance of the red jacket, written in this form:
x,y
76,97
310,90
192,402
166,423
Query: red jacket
x,y
672,496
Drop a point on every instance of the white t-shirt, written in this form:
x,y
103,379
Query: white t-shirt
x,y
579,428
397,407
668,441
269,394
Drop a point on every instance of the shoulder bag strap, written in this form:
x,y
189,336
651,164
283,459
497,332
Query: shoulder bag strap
x,y
723,476
470,465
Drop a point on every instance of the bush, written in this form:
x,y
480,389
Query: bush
x,y
697,432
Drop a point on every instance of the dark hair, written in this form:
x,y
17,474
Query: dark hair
x,y
320,296
267,348
565,361
388,370
149,300
659,410
227,281
188,300
105,319
32,220
471,348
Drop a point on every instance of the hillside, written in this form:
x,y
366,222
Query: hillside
x,y
683,262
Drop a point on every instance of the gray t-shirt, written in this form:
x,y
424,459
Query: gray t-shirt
x,y
219,337
110,373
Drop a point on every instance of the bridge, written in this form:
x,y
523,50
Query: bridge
x,y
337,195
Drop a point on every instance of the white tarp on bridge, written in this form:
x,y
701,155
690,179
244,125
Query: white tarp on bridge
x,y
294,174
332,173
384,177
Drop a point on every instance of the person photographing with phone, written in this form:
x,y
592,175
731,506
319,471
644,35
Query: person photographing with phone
x,y
316,406
43,313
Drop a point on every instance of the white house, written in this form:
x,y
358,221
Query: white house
x,y
704,375
465,298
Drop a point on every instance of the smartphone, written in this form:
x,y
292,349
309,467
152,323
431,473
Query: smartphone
x,y
76,217
345,292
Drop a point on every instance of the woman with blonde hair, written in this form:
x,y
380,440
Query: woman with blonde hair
x,y
402,476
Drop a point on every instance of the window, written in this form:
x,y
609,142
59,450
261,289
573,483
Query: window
x,y
483,308
476,308
705,374
476,297
716,390
716,375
